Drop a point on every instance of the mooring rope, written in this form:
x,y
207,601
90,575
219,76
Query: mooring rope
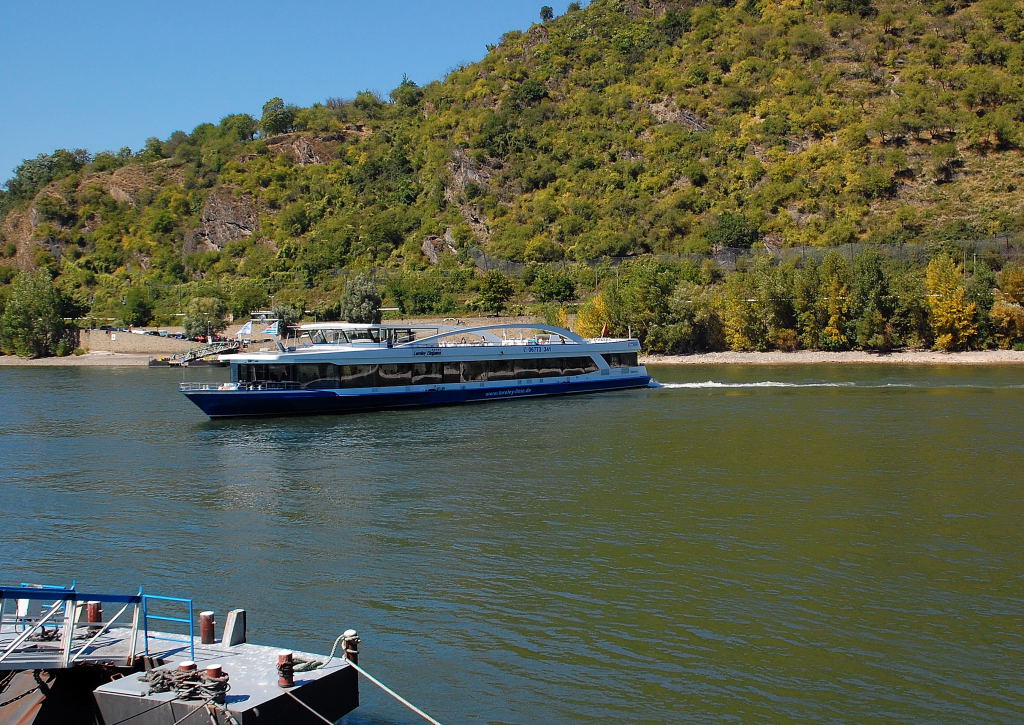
x,y
292,695
393,694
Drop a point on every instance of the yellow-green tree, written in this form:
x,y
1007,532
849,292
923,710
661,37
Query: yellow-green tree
x,y
834,302
952,316
741,311
592,318
1008,309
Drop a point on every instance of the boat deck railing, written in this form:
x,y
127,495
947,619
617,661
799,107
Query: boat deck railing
x,y
189,622
196,387
44,629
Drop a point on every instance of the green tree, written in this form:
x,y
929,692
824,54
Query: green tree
x,y
287,315
205,316
833,302
553,286
238,126
32,324
360,300
638,299
952,316
864,8
733,230
247,296
407,93
138,307
694,322
496,290
546,13
871,302
981,290
277,117
809,318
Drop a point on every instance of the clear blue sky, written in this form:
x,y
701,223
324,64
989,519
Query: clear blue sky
x,y
110,73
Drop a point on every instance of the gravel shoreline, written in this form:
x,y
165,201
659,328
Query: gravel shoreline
x,y
802,357
89,359
815,357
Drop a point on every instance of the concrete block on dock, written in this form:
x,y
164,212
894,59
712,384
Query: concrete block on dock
x,y
234,628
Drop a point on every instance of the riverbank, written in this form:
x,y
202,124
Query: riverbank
x,y
98,358
802,357
817,357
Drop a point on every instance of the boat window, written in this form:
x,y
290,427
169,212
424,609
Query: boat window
x,y
427,373
395,374
328,375
579,365
279,373
316,375
251,373
620,359
453,371
358,376
474,371
501,370
549,367
364,335
400,336
526,368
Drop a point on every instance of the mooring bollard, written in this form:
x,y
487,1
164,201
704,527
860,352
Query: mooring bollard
x,y
94,614
214,672
350,643
285,669
187,666
206,635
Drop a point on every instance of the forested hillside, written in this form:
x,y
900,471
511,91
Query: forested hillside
x,y
657,131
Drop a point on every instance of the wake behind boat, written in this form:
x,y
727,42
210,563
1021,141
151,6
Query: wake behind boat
x,y
342,367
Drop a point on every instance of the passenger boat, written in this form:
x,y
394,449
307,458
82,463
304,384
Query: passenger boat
x,y
339,367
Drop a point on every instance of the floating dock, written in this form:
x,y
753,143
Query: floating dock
x,y
62,662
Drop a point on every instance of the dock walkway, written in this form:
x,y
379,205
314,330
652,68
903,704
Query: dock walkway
x,y
60,630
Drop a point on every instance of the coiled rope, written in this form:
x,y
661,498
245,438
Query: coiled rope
x,y
187,685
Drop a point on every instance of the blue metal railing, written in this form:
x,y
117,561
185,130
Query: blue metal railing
x,y
57,590
146,616
53,599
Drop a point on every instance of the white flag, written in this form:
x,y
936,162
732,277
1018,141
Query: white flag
x,y
272,330
246,329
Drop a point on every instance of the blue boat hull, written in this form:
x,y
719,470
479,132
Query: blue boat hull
x,y
237,403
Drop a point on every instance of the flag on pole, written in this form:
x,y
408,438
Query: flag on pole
x,y
271,330
246,329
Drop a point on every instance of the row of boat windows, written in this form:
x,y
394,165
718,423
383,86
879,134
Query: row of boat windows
x,y
329,375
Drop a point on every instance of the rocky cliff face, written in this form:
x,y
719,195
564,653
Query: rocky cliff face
x,y
224,218
306,150
26,228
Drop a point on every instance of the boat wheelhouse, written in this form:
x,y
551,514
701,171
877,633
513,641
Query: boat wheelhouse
x,y
339,367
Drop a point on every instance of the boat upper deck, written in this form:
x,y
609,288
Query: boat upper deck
x,y
353,338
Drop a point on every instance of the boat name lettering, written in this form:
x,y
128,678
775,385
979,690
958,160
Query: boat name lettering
x,y
507,391
428,353
537,348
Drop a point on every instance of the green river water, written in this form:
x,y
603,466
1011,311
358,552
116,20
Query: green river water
x,y
744,544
